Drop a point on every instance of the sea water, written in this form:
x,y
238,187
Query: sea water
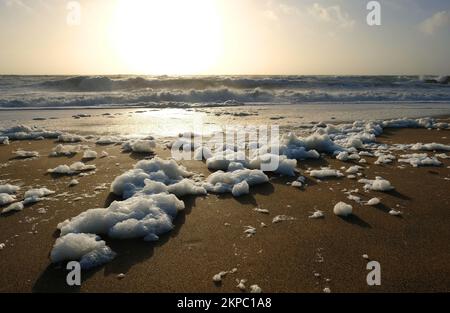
x,y
166,106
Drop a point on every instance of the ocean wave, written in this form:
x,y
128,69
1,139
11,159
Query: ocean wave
x,y
119,83
221,97
186,91
102,83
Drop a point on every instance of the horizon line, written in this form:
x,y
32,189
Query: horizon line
x,y
206,75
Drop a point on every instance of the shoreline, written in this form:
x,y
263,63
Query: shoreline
x,y
169,122
220,105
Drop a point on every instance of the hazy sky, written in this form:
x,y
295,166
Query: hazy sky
x,y
223,37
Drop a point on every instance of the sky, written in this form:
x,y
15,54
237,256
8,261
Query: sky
x,y
233,37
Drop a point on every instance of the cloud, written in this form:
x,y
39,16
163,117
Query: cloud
x,y
274,10
435,23
18,3
271,15
288,9
333,14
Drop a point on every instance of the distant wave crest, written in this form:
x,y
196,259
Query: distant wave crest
x,y
104,83
216,90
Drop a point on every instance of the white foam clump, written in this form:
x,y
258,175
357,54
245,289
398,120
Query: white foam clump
x,y
88,249
9,188
419,159
345,156
250,231
185,187
108,140
255,289
72,169
430,147
378,184
73,182
354,198
317,142
36,195
139,146
89,154
343,209
217,278
240,189
69,138
149,208
6,198
325,172
335,138
384,159
38,192
157,170
141,216
4,140
15,207
263,211
294,147
284,166
373,202
409,123
224,182
26,154
317,214
222,159
234,166
241,284
65,150
395,212
282,218
24,132
186,142
366,153
202,153
354,169
353,135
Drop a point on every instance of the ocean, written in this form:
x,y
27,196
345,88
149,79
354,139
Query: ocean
x,y
166,105
195,91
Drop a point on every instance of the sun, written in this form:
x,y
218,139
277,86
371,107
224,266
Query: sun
x,y
167,36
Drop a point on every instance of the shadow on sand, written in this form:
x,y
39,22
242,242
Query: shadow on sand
x,y
397,194
356,220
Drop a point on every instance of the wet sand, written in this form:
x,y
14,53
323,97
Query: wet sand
x,y
284,257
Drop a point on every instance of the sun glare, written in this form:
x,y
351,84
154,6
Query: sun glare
x,y
167,36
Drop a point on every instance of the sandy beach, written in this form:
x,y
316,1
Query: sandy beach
x,y
299,255
264,153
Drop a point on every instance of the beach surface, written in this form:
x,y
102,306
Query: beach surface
x,y
299,255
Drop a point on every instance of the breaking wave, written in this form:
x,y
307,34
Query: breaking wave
x,y
104,83
164,91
